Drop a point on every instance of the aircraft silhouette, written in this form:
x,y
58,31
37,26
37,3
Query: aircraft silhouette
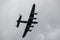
x,y
29,22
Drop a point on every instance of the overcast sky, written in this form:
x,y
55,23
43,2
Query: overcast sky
x,y
48,18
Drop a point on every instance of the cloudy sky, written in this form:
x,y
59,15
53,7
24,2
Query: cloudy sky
x,y
48,27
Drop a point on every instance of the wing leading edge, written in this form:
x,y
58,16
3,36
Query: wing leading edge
x,y
30,21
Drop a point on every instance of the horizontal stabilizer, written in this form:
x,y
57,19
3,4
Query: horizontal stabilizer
x,y
19,19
